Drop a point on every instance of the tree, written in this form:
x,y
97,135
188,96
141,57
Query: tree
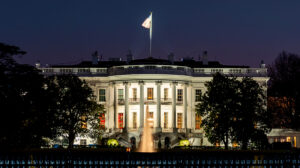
x,y
284,90
218,106
233,110
253,120
78,112
26,116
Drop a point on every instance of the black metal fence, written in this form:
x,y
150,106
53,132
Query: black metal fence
x,y
175,158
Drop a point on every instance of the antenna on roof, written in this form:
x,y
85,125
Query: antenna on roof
x,y
95,58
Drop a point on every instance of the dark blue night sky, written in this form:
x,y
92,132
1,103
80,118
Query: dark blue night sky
x,y
233,32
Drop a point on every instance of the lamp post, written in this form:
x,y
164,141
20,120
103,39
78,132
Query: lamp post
x,y
61,138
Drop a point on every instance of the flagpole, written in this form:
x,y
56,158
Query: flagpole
x,y
151,34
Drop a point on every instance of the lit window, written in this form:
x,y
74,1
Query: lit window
x,y
134,119
102,120
149,93
198,121
166,93
179,120
179,95
166,120
197,95
288,139
83,122
120,120
150,119
102,95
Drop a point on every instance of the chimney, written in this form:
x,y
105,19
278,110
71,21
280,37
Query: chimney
x,y
171,57
262,64
129,56
95,58
204,58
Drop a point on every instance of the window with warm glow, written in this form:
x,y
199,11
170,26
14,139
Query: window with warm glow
x,y
197,95
198,121
134,119
83,122
149,93
102,120
166,120
102,95
179,120
120,120
179,95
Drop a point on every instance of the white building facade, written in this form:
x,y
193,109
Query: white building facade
x,y
169,89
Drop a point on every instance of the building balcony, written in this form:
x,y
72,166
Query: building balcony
x,y
134,100
166,101
150,101
167,129
121,101
179,102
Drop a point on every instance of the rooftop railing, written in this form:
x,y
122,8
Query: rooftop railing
x,y
155,69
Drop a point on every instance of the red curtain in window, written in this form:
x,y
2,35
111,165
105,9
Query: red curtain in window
x,y
102,121
120,120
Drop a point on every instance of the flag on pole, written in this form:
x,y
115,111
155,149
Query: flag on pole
x,y
147,23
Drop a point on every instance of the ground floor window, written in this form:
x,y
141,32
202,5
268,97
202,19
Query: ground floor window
x,y
82,142
84,122
134,118
179,120
120,120
102,120
165,119
198,121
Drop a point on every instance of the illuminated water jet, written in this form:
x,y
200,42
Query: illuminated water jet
x,y
147,143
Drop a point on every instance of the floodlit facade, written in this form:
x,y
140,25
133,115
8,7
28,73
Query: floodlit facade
x,y
169,88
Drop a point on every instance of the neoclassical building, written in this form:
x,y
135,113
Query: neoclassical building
x,y
169,88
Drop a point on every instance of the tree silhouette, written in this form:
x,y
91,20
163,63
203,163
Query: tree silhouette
x,y
27,118
284,90
218,107
233,110
78,112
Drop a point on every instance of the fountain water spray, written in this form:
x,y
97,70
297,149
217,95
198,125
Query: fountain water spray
x,y
146,144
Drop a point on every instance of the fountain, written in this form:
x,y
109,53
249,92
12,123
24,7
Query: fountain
x,y
147,143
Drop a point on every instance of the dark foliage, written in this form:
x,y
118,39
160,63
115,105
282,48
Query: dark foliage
x,y
234,110
284,91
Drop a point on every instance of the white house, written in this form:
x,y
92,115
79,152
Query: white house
x,y
170,89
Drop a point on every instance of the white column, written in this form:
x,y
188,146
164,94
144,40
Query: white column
x,y
115,106
141,83
174,105
126,107
185,106
158,105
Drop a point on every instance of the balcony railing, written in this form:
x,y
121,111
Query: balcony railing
x,y
150,101
121,101
134,100
179,102
165,100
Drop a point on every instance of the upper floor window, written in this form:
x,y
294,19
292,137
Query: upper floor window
x,y
102,95
179,95
120,94
197,95
149,93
